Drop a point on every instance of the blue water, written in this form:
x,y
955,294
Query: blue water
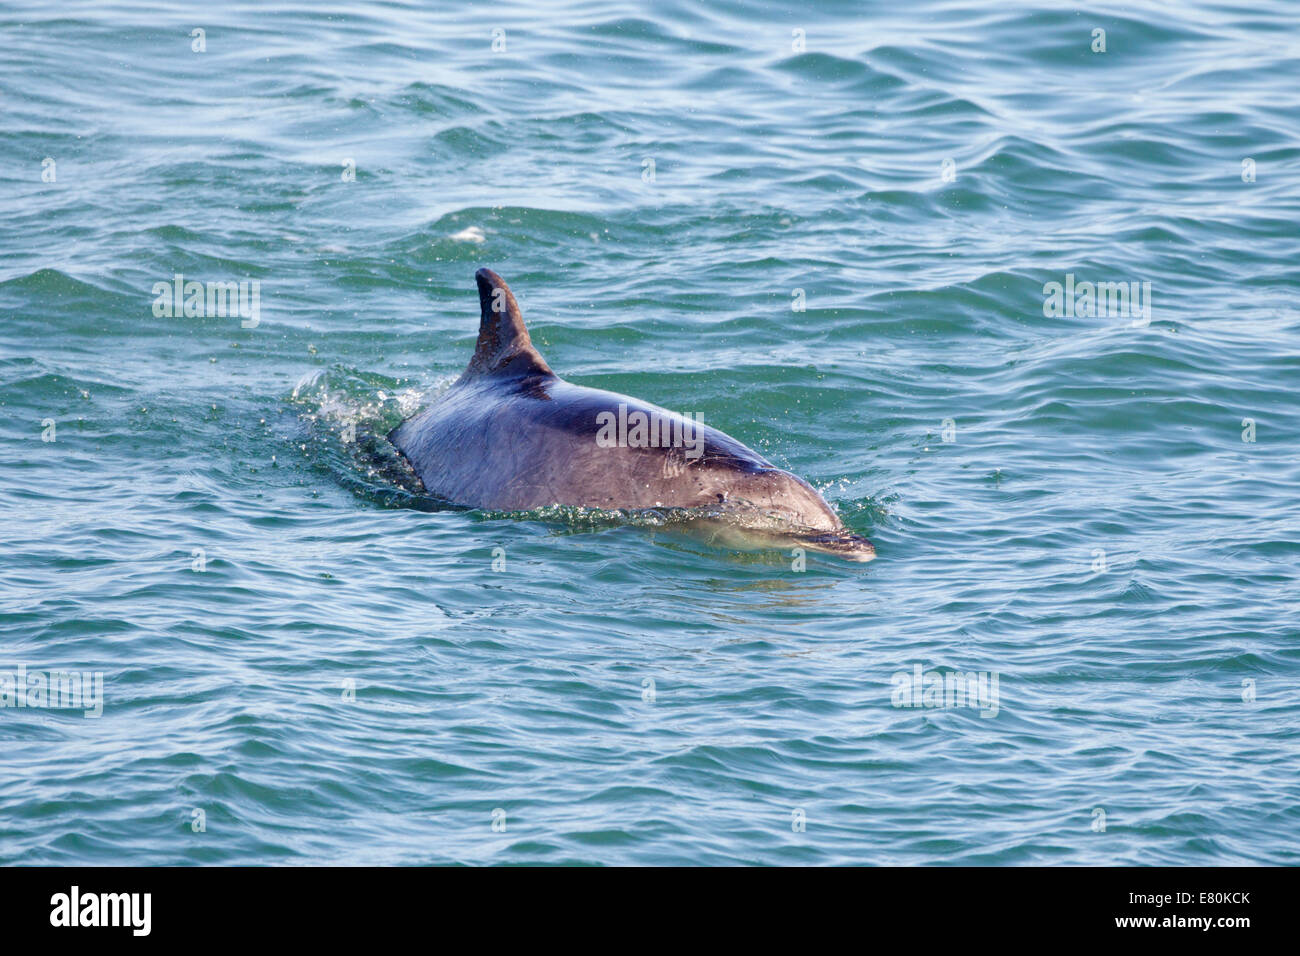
x,y
305,660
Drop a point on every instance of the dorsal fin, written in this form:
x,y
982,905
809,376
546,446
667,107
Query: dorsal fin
x,y
504,347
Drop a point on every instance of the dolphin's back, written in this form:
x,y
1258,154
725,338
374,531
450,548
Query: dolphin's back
x,y
531,443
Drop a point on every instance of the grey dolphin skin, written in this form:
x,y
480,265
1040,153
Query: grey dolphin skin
x,y
511,435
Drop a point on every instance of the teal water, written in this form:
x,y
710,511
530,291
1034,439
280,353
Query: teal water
x,y
297,643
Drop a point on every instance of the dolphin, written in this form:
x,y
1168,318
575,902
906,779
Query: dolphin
x,y
511,435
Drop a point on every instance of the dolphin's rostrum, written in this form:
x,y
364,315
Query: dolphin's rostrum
x,y
511,435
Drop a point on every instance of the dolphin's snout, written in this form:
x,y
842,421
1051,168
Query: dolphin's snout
x,y
843,544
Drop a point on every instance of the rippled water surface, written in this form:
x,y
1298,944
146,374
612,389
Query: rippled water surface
x,y
827,233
